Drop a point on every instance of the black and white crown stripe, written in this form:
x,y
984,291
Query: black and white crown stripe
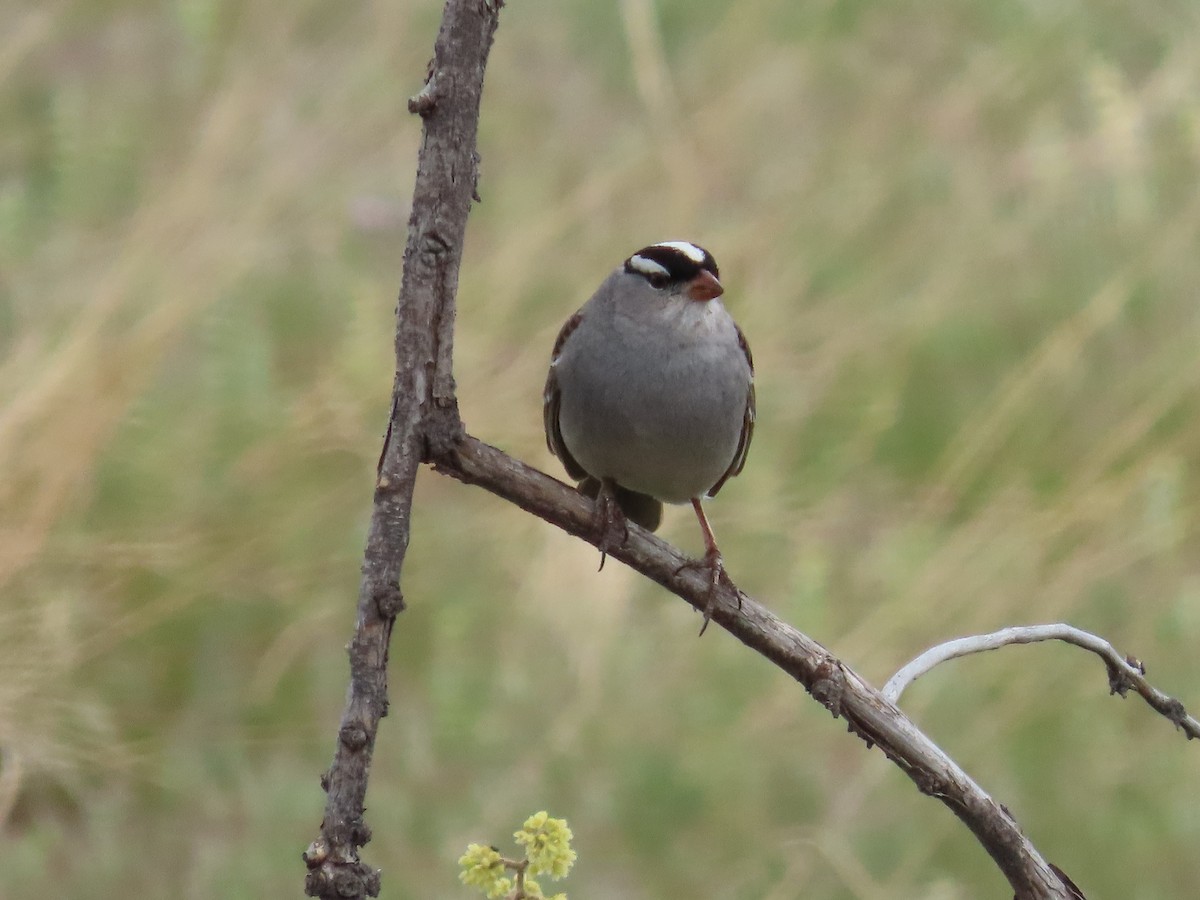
x,y
645,266
677,261
696,254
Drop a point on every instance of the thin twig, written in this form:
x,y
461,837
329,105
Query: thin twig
x,y
1125,673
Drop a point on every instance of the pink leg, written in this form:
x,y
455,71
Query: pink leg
x,y
712,561
712,553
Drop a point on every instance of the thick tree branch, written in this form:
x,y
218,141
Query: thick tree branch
x,y
424,418
1125,673
832,683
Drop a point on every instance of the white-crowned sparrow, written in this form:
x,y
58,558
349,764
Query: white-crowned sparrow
x,y
650,396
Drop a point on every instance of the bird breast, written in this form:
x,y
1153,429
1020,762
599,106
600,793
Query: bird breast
x,y
654,397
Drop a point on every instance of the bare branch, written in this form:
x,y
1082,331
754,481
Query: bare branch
x,y
830,681
1125,673
424,417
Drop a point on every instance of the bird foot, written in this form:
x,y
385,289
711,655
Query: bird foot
x,y
611,527
717,576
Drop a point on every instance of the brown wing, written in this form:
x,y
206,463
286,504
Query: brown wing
x,y
743,447
552,400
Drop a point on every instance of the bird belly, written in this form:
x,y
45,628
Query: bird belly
x,y
654,430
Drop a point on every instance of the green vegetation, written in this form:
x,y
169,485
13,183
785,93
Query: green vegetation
x,y
547,845
961,238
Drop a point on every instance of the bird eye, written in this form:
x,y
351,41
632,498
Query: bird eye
x,y
657,280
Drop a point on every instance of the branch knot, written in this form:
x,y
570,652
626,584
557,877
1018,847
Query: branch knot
x,y
425,101
389,601
353,736
829,681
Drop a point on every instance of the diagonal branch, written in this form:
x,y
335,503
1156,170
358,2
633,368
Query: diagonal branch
x,y
830,681
1124,673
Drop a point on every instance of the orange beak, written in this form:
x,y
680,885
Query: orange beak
x,y
704,286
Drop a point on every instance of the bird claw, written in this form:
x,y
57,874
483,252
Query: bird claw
x,y
611,527
715,565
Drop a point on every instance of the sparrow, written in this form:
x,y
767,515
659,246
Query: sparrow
x,y
650,395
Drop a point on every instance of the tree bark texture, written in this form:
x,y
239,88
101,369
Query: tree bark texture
x,y
424,418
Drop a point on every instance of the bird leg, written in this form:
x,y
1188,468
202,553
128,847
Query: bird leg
x,y
712,561
611,526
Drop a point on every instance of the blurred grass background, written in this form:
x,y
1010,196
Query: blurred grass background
x,y
962,239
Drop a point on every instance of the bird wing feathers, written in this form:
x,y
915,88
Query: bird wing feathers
x,y
743,447
552,401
